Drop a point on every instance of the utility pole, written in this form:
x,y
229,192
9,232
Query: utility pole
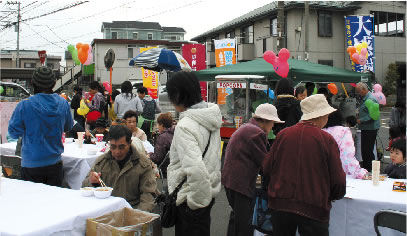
x,y
17,28
306,31
280,25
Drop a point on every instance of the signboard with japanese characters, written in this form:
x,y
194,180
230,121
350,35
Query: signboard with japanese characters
x,y
194,54
225,52
359,29
150,79
42,55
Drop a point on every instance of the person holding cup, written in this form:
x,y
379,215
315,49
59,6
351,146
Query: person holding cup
x,y
100,129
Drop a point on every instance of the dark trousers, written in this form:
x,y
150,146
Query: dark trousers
x,y
193,222
241,215
146,127
51,175
368,138
286,224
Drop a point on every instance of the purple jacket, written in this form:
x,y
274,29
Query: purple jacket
x,y
244,155
161,148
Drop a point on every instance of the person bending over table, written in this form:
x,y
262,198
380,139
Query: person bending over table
x,y
126,170
100,128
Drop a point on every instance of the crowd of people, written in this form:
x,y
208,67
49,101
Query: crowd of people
x,y
304,166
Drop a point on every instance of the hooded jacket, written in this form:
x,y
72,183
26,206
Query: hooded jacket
x,y
289,110
162,146
125,102
40,121
190,139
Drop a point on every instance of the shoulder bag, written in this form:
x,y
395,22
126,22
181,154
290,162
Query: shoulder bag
x,y
167,202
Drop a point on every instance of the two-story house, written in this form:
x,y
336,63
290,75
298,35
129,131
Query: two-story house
x,y
256,32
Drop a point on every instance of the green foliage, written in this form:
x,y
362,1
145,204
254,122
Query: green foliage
x,y
390,81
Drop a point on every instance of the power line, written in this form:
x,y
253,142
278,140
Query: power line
x,y
41,35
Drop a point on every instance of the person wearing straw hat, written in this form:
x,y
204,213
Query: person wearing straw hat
x,y
244,154
41,120
305,173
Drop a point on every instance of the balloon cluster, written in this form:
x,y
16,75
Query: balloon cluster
x,y
81,54
373,108
378,94
280,63
358,53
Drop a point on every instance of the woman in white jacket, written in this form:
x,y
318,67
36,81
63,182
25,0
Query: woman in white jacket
x,y
199,122
127,101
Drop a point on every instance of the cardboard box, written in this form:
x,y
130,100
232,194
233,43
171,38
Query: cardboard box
x,y
124,222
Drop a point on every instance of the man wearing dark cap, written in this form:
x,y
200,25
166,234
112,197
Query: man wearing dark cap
x,y
41,120
100,128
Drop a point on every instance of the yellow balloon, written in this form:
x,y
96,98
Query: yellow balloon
x,y
364,45
359,48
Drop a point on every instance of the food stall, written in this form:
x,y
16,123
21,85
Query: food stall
x,y
238,97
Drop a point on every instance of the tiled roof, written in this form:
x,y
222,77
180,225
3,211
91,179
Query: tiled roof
x,y
272,7
173,29
132,24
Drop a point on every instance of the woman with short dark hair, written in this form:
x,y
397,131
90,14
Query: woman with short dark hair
x,y
131,119
127,101
194,155
96,103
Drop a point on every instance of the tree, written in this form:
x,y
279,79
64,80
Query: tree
x,y
390,81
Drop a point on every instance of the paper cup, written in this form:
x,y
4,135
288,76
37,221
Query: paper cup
x,y
99,137
63,137
81,136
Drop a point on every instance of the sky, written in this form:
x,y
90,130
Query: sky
x,y
82,23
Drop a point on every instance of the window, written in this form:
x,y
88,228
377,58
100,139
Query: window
x,y
150,36
247,34
326,62
273,27
388,24
324,24
130,52
29,65
50,65
135,35
230,34
264,45
114,35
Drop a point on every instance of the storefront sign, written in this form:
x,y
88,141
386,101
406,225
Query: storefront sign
x,y
194,54
258,86
231,85
225,52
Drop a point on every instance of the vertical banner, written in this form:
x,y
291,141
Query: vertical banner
x,y
42,54
150,78
360,29
225,52
194,54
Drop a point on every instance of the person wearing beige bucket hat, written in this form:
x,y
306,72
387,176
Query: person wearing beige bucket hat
x,y
304,158
244,154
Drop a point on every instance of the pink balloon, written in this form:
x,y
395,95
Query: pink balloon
x,y
89,60
107,86
355,57
280,63
362,59
381,99
377,88
363,52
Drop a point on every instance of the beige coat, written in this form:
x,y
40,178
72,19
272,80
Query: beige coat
x,y
135,182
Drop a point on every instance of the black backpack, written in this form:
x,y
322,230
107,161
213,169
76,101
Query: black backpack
x,y
149,109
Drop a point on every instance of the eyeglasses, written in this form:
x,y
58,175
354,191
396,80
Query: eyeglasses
x,y
121,147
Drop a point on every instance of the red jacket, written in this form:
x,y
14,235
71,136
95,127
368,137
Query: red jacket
x,y
245,153
305,172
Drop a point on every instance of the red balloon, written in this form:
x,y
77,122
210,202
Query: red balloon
x,y
353,85
269,56
280,63
332,88
107,86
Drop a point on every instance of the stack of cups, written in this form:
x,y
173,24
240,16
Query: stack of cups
x,y
81,136
99,137
375,172
63,137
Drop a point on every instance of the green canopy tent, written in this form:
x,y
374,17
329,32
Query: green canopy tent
x,y
299,71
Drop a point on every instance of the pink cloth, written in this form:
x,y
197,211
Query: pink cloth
x,y
343,137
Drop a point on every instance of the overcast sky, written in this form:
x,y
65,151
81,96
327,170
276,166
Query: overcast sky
x,y
83,23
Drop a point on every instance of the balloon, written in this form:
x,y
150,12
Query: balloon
x,y
355,58
332,88
85,48
358,47
271,93
75,57
89,60
82,55
315,91
351,50
364,45
78,46
63,95
107,86
153,93
353,85
381,99
71,48
362,59
373,108
1,89
377,88
280,63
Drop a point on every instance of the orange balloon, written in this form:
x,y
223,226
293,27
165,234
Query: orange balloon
x,y
332,88
351,50
82,55
85,47
78,46
64,96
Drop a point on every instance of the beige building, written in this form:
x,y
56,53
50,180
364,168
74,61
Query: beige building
x,y
256,32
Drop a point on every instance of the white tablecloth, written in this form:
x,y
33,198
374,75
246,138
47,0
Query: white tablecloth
x,y
36,209
76,161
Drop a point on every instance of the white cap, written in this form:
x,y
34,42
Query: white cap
x,y
268,112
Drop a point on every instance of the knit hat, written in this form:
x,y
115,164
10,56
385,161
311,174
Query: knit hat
x,y
43,78
268,112
101,122
315,106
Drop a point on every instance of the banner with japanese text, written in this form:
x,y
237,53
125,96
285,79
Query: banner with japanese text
x,y
359,29
150,78
225,52
194,54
